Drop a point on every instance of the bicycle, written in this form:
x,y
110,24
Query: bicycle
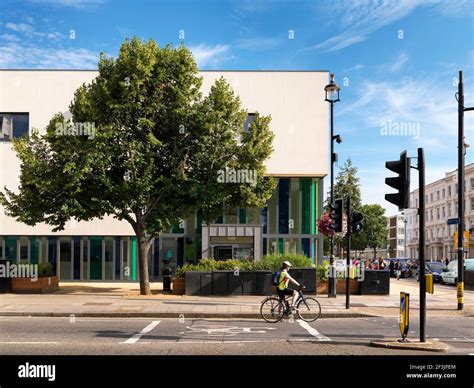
x,y
273,310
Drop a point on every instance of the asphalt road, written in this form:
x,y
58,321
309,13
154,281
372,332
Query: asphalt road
x,y
102,336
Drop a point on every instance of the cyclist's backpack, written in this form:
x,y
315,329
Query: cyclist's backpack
x,y
276,278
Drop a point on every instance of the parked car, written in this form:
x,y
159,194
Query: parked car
x,y
405,263
450,274
435,268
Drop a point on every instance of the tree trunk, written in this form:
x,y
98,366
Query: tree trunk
x,y
143,248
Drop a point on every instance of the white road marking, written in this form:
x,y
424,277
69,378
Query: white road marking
x,y
313,331
137,336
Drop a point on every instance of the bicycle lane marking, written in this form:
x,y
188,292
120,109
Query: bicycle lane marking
x,y
312,331
145,330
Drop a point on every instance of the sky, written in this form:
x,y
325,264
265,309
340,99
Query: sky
x,y
397,61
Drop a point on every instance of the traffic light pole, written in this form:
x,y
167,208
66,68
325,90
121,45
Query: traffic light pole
x,y
422,262
348,250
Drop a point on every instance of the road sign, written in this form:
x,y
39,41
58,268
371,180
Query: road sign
x,y
453,221
404,314
466,242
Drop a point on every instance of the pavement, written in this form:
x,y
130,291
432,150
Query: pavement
x,y
195,336
121,300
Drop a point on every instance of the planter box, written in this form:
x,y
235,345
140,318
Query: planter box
x,y
469,280
376,282
192,283
38,286
249,282
219,282
234,283
305,276
264,282
322,287
178,286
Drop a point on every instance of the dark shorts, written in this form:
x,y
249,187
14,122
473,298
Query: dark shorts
x,y
283,293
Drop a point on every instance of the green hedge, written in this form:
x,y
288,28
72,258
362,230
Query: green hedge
x,y
269,262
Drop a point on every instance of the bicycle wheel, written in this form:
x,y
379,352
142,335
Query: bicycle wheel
x,y
272,310
309,309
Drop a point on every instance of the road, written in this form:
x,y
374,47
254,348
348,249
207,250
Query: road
x,y
109,336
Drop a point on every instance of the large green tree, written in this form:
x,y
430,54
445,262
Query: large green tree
x,y
375,230
229,162
143,162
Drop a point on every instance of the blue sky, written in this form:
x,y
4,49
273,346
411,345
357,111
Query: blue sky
x,y
396,61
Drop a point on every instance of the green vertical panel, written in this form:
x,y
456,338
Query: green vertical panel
x,y
34,250
11,248
313,206
306,205
280,246
134,257
177,229
242,216
95,246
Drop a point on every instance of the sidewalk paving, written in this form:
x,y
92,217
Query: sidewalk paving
x,y
123,300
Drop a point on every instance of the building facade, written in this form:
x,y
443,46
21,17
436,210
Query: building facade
x,y
441,204
106,249
396,236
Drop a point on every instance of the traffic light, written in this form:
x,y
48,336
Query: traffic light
x,y
335,213
356,221
401,183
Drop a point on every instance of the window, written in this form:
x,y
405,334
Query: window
x,y
444,212
431,214
456,188
13,125
472,183
431,197
472,203
437,213
449,191
443,193
248,121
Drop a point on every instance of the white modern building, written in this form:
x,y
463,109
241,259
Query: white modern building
x,y
107,250
441,205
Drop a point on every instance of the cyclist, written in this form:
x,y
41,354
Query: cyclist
x,y
283,281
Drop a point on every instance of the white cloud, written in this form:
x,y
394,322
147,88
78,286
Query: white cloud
x,y
359,19
396,65
10,38
21,28
15,55
211,56
78,4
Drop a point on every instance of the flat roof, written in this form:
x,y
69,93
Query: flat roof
x,y
217,71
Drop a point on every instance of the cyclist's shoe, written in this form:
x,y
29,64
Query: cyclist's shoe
x,y
288,311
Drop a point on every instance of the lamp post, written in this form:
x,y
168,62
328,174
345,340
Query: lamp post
x,y
332,96
461,153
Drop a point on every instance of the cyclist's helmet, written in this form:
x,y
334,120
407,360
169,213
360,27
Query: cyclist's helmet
x,y
287,264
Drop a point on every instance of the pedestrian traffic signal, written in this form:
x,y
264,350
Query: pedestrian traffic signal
x,y
335,213
401,183
356,221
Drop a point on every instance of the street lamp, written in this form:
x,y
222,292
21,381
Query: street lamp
x,y
332,96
